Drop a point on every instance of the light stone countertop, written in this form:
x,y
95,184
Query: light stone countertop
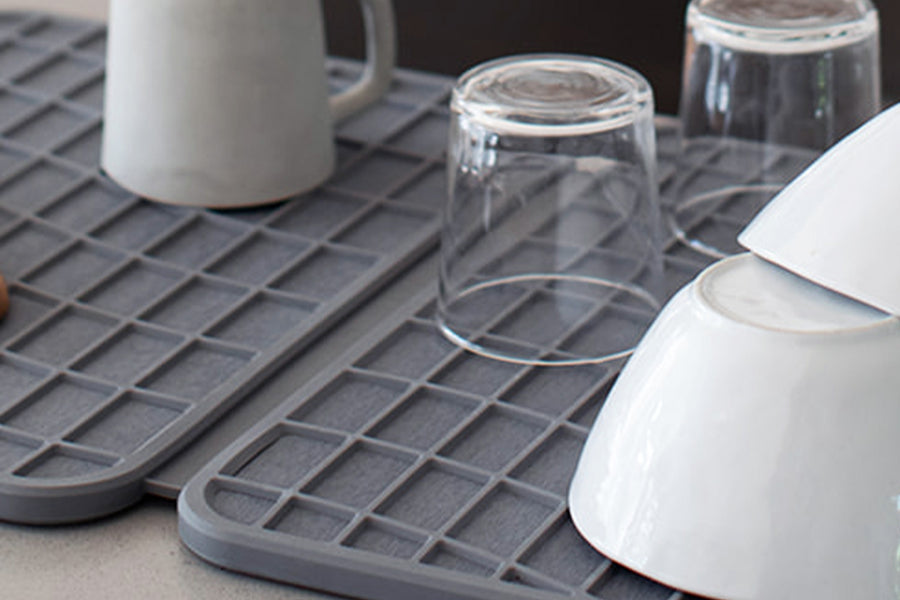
x,y
87,9
135,554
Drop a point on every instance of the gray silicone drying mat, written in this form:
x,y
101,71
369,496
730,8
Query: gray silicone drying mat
x,y
134,325
416,470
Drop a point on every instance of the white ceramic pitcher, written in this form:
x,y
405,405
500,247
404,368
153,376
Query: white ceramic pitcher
x,y
224,103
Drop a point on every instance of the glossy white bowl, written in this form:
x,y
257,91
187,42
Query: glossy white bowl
x,y
750,449
838,223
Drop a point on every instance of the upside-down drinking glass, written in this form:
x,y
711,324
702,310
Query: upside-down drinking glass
x,y
768,85
551,244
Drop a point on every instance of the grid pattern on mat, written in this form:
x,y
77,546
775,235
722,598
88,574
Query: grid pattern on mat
x,y
134,324
418,470
446,470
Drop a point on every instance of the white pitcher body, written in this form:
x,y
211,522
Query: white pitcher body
x,y
224,103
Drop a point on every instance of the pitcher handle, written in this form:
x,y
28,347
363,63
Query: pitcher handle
x,y
381,52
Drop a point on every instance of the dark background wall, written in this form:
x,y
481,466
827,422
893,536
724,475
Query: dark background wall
x,y
448,36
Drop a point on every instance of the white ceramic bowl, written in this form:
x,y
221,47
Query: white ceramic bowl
x,y
751,446
838,223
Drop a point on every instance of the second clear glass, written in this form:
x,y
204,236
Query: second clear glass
x,y
768,85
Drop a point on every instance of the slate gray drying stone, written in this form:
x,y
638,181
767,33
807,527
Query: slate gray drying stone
x,y
134,325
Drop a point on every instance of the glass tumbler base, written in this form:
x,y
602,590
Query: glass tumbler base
x,y
548,319
710,222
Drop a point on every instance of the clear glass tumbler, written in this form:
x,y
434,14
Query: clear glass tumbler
x,y
551,248
767,86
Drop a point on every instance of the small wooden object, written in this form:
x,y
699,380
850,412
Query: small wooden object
x,y
4,297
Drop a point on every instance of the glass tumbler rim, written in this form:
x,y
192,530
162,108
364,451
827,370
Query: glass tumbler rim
x,y
761,31
786,14
575,94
